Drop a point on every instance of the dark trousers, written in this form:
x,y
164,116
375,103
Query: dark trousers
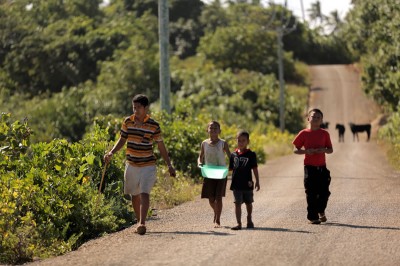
x,y
316,184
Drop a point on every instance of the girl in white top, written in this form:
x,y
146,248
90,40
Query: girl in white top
x,y
213,151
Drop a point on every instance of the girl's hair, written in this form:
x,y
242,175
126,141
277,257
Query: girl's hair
x,y
317,111
214,122
243,133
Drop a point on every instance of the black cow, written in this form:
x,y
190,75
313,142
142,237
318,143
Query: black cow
x,y
341,130
360,128
324,125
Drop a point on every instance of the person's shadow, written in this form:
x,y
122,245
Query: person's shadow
x,y
272,229
221,233
362,226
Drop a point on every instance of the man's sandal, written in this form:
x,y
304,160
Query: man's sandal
x,y
237,227
141,229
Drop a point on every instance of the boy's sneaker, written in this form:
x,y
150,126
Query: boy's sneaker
x,y
314,221
322,217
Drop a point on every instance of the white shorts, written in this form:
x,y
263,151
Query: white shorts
x,y
139,179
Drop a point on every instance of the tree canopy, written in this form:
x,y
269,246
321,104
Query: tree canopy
x,y
372,33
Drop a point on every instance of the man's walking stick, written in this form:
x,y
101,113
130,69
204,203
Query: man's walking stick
x,y
102,176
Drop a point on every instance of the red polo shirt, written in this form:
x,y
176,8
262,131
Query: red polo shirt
x,y
313,139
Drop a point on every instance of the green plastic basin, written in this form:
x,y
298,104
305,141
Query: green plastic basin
x,y
214,172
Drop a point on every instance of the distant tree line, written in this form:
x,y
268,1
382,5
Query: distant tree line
x,y
64,62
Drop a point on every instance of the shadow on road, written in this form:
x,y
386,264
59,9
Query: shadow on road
x,y
316,89
362,226
193,233
228,234
279,230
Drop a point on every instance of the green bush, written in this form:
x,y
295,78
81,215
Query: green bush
x,y
50,201
390,134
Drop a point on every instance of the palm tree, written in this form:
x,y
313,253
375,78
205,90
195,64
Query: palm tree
x,y
315,12
334,21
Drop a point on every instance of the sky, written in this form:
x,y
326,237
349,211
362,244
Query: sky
x,y
342,6
327,6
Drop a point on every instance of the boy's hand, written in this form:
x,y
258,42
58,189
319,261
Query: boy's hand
x,y
257,186
321,150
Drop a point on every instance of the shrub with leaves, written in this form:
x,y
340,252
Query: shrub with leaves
x,y
49,191
390,134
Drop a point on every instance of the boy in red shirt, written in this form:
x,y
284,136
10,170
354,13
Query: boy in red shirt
x,y
314,142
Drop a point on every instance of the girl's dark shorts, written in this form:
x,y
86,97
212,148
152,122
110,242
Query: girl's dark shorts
x,y
213,188
245,196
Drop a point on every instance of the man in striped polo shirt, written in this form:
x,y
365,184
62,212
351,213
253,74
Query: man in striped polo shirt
x,y
139,131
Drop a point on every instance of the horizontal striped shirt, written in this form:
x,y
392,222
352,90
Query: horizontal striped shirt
x,y
140,139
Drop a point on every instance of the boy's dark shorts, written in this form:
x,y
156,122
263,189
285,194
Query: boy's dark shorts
x,y
245,196
213,188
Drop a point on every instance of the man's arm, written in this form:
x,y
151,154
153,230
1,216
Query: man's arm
x,y
164,154
120,143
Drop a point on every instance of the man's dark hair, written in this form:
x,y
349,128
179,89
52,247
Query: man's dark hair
x,y
317,111
142,99
244,134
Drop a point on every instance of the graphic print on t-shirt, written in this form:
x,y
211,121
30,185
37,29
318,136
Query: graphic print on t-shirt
x,y
240,162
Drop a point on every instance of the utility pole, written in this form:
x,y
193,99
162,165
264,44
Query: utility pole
x,y
281,30
302,11
165,87
279,33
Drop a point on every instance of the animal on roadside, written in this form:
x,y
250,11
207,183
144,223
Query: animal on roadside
x,y
324,125
341,129
355,129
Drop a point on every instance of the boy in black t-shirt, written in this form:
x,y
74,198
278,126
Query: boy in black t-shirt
x,y
242,162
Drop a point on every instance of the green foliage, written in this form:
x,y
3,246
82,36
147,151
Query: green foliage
x,y
50,203
322,49
251,96
14,138
63,115
82,65
183,135
237,48
132,70
245,42
275,143
373,35
391,135
41,56
214,16
50,200
185,30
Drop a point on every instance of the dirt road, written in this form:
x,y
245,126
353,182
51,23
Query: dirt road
x,y
363,225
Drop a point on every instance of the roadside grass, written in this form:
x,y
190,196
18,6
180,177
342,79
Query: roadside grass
x,y
169,191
